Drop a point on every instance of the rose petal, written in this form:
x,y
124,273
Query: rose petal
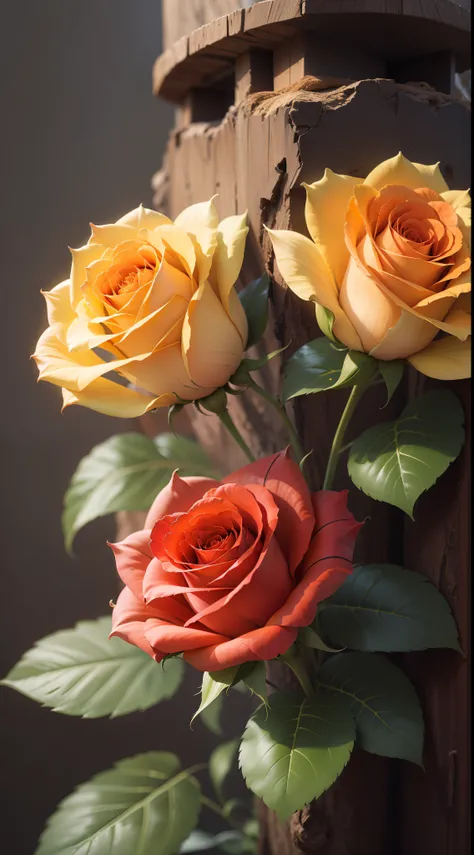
x,y
111,399
445,359
326,204
166,638
252,602
307,274
327,563
283,478
178,496
400,170
128,622
226,265
132,557
212,347
258,646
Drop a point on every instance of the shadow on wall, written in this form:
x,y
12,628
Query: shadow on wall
x,y
81,137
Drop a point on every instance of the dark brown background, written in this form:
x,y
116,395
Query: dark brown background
x,y
81,135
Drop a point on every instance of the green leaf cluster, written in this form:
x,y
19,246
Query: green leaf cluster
x,y
294,749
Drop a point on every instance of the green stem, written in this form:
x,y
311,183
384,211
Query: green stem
x,y
230,426
280,409
337,445
295,663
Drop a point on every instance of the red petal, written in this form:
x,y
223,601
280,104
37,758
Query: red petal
x,y
166,638
253,601
178,496
132,557
128,621
257,646
327,563
279,474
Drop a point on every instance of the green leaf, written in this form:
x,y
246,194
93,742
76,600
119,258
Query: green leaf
x,y
81,672
211,716
314,367
254,677
320,365
254,299
308,637
392,373
387,608
325,319
241,376
294,749
384,703
397,461
125,473
220,764
213,684
143,805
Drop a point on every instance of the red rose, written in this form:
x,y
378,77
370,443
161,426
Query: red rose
x,y
225,573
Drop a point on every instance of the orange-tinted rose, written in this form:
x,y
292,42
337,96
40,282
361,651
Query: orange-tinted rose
x,y
390,257
225,573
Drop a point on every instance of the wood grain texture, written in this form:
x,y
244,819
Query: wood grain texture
x,y
256,159
390,29
182,17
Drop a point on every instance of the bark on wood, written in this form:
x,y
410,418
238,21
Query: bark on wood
x,y
256,159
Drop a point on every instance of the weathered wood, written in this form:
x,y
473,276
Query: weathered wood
x,y
390,29
191,15
436,803
256,159
253,73
310,54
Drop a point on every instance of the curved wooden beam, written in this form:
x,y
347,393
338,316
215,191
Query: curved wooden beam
x,y
394,29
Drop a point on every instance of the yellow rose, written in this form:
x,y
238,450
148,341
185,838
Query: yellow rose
x,y
151,301
390,258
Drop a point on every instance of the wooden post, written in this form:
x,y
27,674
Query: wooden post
x,y
341,84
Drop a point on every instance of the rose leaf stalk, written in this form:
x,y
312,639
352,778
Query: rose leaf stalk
x,y
338,446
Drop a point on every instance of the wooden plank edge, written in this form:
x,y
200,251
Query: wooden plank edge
x,y
265,25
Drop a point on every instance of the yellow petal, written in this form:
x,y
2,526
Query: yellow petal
x,y
150,332
58,304
370,311
109,398
143,218
212,346
457,198
326,205
179,243
168,282
400,170
408,335
76,370
81,258
226,266
307,274
461,202
200,222
445,359
164,374
111,235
